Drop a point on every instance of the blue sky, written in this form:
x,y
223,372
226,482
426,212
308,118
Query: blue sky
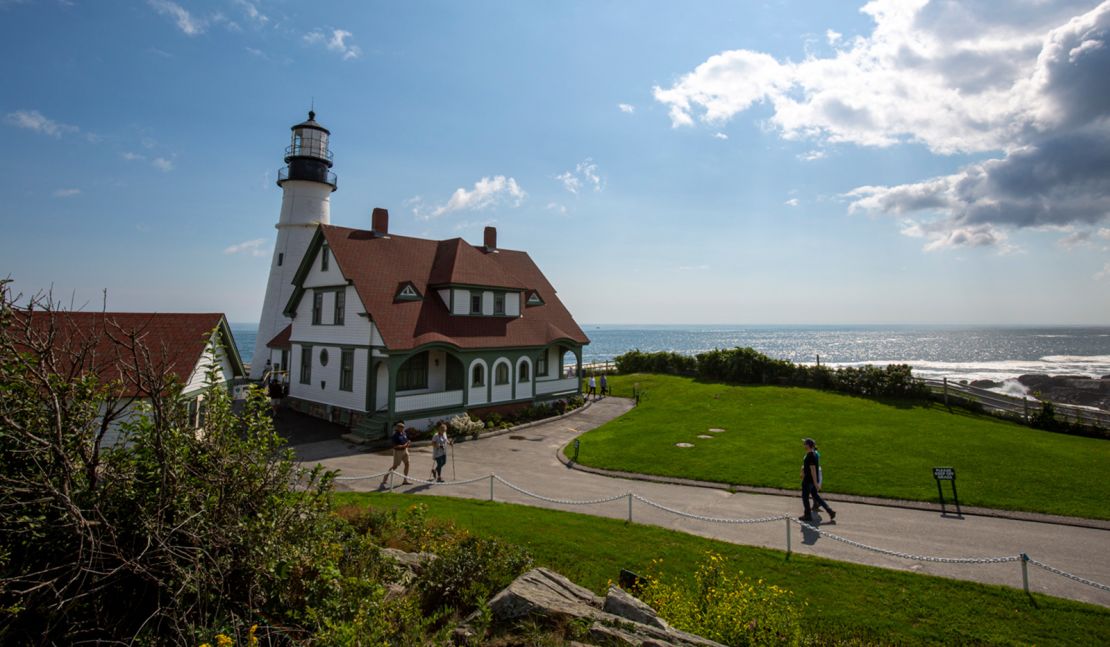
x,y
725,162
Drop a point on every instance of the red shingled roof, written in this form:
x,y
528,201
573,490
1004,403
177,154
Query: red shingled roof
x,y
377,265
175,341
281,340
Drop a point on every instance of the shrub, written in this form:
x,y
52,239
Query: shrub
x,y
469,572
723,605
662,362
464,425
748,366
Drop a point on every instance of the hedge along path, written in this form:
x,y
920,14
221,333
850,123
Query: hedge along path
x,y
868,447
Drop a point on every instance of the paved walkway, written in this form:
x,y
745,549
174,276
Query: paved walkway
x,y
528,459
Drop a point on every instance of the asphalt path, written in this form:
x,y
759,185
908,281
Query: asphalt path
x,y
527,459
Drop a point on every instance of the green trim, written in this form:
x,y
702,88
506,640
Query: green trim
x,y
302,273
227,342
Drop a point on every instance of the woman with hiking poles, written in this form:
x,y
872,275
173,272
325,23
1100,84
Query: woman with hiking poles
x,y
440,441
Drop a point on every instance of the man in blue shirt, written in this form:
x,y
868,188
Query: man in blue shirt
x,y
401,444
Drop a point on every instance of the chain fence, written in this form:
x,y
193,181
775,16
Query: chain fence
x,y
389,476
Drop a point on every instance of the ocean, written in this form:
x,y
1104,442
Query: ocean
x,y
956,352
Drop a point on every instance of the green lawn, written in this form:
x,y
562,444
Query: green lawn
x,y
869,447
845,602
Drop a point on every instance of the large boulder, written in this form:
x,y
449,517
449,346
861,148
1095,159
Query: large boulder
x,y
544,595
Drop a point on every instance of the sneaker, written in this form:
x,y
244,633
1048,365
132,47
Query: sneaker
x,y
439,480
804,517
832,514
406,482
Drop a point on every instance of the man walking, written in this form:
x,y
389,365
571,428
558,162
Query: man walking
x,y
810,483
593,387
401,444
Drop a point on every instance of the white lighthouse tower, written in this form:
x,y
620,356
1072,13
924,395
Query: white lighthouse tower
x,y
307,184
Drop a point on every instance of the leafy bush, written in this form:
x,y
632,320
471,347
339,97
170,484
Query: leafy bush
x,y
723,605
662,362
748,366
470,572
464,425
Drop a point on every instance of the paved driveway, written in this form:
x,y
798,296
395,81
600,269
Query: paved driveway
x,y
527,459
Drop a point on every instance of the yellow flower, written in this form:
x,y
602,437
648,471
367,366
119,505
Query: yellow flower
x,y
223,641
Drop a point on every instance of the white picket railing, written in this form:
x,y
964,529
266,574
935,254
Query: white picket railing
x,y
556,386
428,400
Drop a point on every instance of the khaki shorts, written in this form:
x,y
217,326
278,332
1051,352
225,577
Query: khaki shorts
x,y
400,456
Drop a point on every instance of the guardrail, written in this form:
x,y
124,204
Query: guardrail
x,y
1025,408
630,497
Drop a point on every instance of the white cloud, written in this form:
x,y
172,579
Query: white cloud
x,y
812,155
692,268
792,202
252,12
337,42
185,21
626,107
833,36
1030,84
257,52
252,247
131,157
67,193
36,121
1103,273
1104,233
720,135
557,208
162,164
487,192
585,173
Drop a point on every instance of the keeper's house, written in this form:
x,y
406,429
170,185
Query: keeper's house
x,y
127,350
388,327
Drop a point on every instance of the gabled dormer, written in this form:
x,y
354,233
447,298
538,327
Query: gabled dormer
x,y
470,283
407,291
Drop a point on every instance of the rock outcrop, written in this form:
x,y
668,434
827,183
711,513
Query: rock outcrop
x,y
617,619
1069,389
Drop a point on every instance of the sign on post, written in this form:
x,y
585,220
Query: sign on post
x,y
946,474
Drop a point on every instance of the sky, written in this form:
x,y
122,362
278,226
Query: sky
x,y
897,161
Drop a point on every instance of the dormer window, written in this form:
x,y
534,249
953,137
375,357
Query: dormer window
x,y
407,292
475,304
534,299
499,304
325,255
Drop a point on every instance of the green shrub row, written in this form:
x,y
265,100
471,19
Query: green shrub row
x,y
749,366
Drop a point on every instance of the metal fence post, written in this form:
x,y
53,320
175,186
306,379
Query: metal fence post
x,y
787,520
1025,572
946,392
629,507
391,475
491,487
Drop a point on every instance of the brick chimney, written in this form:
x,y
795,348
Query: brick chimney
x,y
380,222
491,239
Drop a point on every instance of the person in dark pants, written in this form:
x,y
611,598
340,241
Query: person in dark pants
x,y
810,483
440,441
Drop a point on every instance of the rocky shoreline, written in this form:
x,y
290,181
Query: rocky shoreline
x,y
1079,390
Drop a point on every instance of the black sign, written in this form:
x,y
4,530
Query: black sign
x,y
947,474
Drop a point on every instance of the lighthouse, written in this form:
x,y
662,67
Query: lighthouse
x,y
307,183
